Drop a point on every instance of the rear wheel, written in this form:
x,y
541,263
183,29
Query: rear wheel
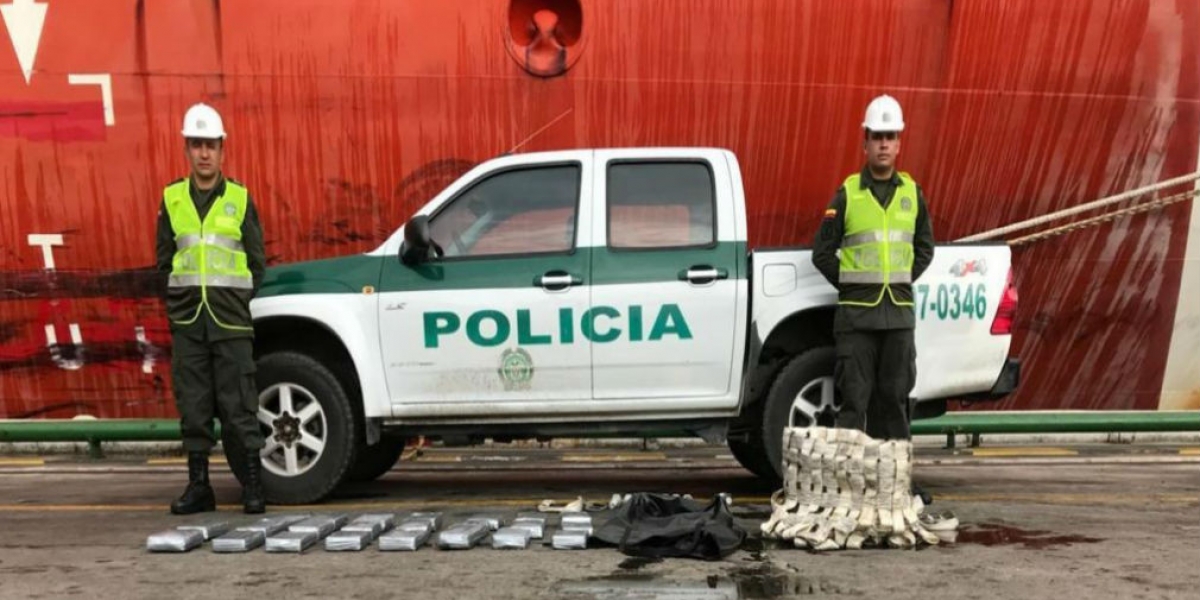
x,y
803,395
306,419
746,442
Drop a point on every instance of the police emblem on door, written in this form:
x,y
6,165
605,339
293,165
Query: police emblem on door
x,y
516,369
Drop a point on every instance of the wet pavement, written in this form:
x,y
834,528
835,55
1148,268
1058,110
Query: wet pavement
x,y
1121,524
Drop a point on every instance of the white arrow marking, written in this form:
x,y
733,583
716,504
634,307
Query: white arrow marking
x,y
24,19
104,80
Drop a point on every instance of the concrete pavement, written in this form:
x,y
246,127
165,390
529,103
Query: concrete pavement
x,y
1118,522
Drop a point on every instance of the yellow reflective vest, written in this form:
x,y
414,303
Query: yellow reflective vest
x,y
877,245
209,256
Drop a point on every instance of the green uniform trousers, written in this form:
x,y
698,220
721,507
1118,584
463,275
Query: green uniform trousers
x,y
214,378
876,370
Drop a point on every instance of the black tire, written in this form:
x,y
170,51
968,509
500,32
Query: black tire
x,y
340,433
752,455
746,442
372,462
802,370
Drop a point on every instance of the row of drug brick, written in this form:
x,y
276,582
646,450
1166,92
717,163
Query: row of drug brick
x,y
297,533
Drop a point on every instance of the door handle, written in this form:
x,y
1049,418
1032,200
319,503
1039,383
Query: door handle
x,y
557,280
700,274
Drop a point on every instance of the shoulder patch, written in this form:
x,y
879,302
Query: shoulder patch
x,y
830,213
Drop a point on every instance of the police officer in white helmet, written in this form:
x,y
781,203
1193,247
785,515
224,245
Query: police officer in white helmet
x,y
875,240
211,255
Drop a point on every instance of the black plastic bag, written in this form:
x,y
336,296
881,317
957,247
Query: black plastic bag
x,y
660,525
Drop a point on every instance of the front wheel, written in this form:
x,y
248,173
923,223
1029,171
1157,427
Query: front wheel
x,y
804,394
375,461
309,429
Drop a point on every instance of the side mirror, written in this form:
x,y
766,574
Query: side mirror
x,y
417,243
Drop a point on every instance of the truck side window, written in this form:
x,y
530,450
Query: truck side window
x,y
524,211
660,205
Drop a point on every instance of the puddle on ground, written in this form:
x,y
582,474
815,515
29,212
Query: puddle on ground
x,y
993,534
765,581
757,582
758,547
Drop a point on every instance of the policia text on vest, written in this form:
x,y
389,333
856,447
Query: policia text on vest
x,y
883,233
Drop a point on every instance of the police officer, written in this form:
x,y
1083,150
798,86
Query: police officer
x,y
874,241
210,251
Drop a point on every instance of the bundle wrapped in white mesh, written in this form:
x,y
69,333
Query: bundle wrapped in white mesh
x,y
843,489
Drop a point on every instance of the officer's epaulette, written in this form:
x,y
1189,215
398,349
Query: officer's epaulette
x,y
234,181
180,180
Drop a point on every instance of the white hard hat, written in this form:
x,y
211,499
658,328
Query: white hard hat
x,y
203,121
884,114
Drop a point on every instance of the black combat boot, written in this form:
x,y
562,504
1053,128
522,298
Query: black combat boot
x,y
198,497
253,500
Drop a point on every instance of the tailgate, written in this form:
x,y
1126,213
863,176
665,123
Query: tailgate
x,y
956,301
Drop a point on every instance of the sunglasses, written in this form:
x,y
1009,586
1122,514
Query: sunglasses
x,y
890,136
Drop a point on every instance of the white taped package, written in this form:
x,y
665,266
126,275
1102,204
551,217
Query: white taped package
x,y
536,528
388,521
407,525
405,539
272,525
375,524
320,525
511,538
292,541
569,539
371,528
433,518
239,540
843,489
577,522
208,530
462,536
174,540
493,523
348,541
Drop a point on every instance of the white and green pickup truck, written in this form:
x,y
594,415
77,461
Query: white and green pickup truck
x,y
584,293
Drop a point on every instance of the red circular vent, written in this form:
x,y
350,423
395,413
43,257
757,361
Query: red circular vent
x,y
544,35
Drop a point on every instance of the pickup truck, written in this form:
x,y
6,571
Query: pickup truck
x,y
584,293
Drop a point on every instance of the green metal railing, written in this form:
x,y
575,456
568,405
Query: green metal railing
x,y
96,431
